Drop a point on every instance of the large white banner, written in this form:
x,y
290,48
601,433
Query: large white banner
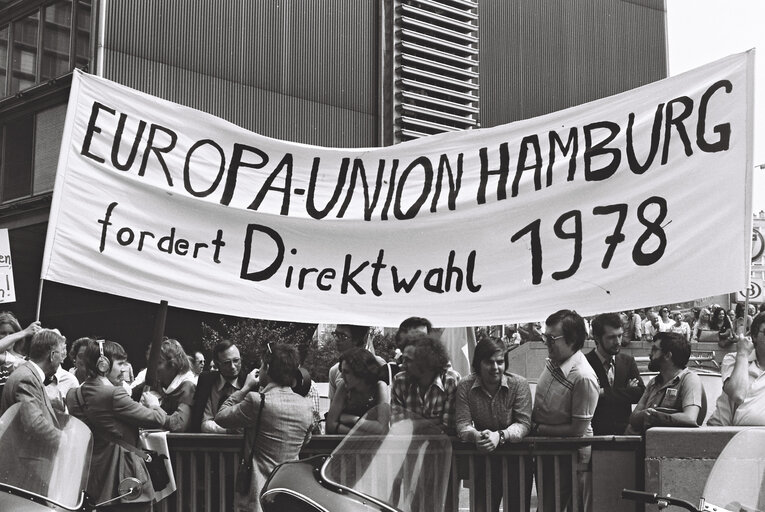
x,y
637,199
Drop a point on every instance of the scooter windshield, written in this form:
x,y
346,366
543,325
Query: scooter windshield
x,y
395,457
737,480
44,459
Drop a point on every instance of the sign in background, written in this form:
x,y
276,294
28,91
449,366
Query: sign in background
x,y
7,289
637,199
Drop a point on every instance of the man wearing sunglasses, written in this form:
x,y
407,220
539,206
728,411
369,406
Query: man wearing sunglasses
x,y
566,397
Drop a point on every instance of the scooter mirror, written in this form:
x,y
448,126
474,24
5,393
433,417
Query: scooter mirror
x,y
130,488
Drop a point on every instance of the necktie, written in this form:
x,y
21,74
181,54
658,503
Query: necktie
x,y
610,370
50,380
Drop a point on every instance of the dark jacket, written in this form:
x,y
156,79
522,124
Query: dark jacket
x,y
612,414
205,384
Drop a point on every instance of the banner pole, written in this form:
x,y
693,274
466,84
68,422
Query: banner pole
x,y
156,345
39,300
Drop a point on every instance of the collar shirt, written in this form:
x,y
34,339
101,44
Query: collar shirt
x,y
220,391
751,412
608,365
508,410
438,402
568,391
681,391
60,383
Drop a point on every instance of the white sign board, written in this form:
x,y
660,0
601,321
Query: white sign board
x,y
7,290
637,199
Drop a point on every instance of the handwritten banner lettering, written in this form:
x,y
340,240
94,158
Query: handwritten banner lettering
x,y
636,199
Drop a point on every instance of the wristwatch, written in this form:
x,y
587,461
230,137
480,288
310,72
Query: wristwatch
x,y
501,437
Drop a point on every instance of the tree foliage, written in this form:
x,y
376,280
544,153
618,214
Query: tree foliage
x,y
317,353
251,336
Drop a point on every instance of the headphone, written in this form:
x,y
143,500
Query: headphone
x,y
103,364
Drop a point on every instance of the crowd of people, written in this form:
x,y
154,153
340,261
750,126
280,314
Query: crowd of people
x,y
578,394
710,323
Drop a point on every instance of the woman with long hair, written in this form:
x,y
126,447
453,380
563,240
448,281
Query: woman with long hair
x,y
104,405
702,325
721,323
360,390
177,386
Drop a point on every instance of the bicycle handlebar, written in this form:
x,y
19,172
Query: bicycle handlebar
x,y
652,497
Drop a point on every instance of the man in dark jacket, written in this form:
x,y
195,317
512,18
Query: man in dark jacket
x,y
215,386
618,376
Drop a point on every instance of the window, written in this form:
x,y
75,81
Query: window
x,y
435,66
17,161
38,45
29,147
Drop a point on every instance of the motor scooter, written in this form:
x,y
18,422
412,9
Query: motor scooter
x,y
42,469
735,484
380,466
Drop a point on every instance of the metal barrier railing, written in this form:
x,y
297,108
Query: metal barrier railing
x,y
205,469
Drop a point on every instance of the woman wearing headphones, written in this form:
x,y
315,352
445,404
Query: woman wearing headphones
x,y
113,417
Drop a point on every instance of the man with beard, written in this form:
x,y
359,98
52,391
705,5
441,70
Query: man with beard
x,y
618,376
675,397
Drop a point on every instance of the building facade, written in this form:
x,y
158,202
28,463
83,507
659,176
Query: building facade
x,y
342,73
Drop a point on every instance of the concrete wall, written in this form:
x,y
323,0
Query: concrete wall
x,y
679,460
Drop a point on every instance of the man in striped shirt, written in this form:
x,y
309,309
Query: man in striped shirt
x,y
566,397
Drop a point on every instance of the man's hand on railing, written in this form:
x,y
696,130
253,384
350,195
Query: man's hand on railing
x,y
487,441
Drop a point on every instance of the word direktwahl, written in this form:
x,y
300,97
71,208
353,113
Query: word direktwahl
x,y
435,280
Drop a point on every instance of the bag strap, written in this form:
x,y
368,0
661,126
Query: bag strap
x,y
257,429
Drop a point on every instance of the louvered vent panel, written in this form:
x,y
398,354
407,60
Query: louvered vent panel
x,y
435,67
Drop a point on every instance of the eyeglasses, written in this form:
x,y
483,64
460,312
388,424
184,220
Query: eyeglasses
x,y
549,339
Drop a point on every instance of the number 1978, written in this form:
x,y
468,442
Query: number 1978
x,y
653,227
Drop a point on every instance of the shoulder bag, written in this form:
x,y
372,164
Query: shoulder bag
x,y
244,472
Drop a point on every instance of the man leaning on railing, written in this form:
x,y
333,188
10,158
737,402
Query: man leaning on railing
x,y
494,407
